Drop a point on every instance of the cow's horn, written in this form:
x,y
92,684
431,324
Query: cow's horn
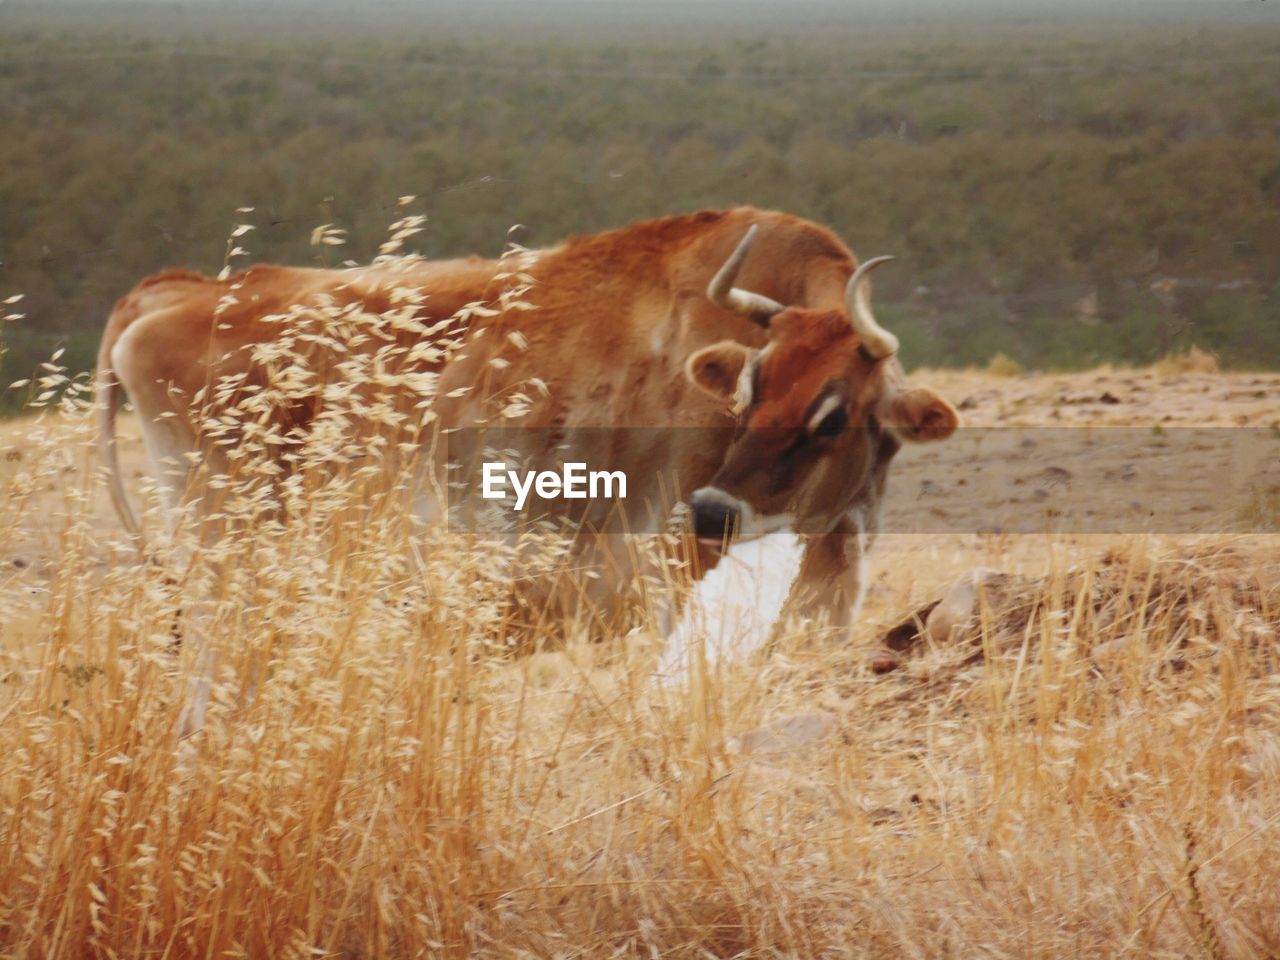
x,y
878,341
723,293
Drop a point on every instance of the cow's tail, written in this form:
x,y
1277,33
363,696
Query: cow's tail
x,y
108,398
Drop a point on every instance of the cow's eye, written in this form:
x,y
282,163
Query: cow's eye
x,y
833,424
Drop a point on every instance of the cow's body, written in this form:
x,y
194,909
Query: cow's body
x,y
616,319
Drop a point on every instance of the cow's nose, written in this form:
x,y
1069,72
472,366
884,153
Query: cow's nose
x,y
714,515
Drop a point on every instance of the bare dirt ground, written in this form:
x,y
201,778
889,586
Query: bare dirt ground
x,y
1087,457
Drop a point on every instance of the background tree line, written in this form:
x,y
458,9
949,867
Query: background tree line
x,y
1064,192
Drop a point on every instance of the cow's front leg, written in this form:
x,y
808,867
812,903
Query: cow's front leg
x,y
828,590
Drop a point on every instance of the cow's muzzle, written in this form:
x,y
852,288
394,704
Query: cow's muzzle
x,y
717,517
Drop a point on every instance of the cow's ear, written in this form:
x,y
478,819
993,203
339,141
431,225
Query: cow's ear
x,y
718,370
918,414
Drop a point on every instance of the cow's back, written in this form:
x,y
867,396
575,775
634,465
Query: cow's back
x,y
185,330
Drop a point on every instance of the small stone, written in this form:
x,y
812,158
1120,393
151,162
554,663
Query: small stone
x,y
1052,475
956,612
882,662
787,736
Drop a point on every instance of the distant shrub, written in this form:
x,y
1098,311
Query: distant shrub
x,y
1194,360
1003,365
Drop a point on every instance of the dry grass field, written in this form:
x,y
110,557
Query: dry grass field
x,y
1096,774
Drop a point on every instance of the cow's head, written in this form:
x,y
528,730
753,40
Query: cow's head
x,y
820,411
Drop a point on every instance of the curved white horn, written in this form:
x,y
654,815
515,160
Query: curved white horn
x,y
723,293
878,341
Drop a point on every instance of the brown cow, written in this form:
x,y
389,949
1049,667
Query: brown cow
x,y
650,326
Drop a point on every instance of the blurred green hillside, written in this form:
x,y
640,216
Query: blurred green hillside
x,y
1064,193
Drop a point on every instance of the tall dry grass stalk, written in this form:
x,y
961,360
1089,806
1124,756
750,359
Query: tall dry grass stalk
x,y
376,777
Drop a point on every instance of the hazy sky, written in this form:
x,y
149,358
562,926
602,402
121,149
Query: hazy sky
x,y
1249,11
1268,7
